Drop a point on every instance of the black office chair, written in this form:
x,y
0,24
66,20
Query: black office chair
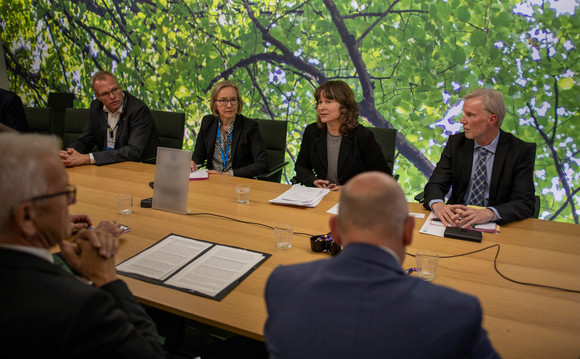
x,y
170,128
387,139
74,122
59,102
39,119
274,135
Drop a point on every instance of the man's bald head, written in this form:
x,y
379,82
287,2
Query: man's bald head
x,y
372,202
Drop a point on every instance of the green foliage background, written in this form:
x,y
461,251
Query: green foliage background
x,y
408,61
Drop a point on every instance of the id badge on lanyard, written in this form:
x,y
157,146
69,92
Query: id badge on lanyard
x,y
110,139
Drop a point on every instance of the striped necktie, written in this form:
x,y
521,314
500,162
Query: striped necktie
x,y
479,180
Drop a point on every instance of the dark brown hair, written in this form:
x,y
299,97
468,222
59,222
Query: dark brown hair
x,y
340,92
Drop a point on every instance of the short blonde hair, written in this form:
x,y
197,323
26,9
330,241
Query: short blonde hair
x,y
492,102
100,76
216,90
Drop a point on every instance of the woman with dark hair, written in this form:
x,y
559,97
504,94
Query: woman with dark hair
x,y
336,147
228,142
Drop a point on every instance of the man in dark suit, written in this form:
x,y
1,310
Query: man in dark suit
x,y
12,112
361,304
120,126
45,312
484,167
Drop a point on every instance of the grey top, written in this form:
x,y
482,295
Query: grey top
x,y
332,148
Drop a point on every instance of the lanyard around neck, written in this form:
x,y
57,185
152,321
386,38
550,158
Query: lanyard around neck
x,y
224,156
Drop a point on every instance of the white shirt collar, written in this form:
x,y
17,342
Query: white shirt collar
x,y
36,251
119,110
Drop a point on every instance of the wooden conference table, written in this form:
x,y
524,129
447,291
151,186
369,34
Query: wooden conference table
x,y
522,321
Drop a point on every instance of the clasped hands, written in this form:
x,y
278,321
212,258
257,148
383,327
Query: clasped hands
x,y
72,157
458,215
92,252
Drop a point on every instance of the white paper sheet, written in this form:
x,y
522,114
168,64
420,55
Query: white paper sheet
x,y
199,174
334,209
302,196
164,258
432,227
215,270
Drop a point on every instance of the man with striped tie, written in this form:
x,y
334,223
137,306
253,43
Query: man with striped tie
x,y
483,166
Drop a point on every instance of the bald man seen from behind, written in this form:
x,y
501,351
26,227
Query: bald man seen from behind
x,y
361,304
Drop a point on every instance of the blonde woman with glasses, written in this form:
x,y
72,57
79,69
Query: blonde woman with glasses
x,y
229,143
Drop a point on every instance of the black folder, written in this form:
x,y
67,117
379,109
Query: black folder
x,y
463,234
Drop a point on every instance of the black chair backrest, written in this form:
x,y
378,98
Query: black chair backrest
x,y
387,139
274,135
74,122
59,102
170,128
39,119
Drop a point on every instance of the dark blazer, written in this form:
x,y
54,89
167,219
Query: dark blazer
x,y
360,304
47,313
359,152
511,190
136,138
12,112
249,157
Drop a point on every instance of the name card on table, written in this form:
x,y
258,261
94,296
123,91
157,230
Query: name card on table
x,y
171,180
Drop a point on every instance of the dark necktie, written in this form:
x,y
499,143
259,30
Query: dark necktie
x,y
479,180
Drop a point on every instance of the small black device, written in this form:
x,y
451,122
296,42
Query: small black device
x,y
463,234
147,202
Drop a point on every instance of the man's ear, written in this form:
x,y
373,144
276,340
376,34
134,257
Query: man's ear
x,y
408,231
492,120
333,223
24,218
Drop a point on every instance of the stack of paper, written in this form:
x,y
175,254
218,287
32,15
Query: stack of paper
x,y
199,175
301,196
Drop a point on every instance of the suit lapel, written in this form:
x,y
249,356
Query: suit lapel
x,y
121,128
346,149
501,151
212,135
466,151
237,133
320,148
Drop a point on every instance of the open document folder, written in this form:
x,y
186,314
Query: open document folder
x,y
192,265
301,196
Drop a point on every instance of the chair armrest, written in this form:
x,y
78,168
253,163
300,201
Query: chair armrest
x,y
420,197
277,168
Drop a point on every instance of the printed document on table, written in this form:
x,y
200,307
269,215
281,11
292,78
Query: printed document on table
x,y
164,258
194,266
215,270
302,196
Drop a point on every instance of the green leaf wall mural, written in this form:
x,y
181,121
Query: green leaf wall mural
x,y
408,61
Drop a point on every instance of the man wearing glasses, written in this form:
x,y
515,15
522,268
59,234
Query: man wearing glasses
x,y
45,312
120,127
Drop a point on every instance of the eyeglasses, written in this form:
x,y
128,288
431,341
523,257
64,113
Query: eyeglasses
x,y
71,195
113,92
224,102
